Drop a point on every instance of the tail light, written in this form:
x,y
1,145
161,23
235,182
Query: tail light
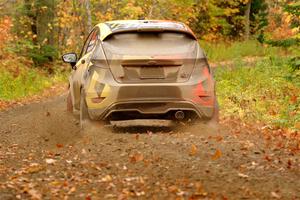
x,y
204,90
97,99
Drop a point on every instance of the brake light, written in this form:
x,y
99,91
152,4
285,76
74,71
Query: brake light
x,y
97,99
203,91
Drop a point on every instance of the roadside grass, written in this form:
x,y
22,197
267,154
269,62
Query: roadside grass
x,y
19,80
223,51
266,91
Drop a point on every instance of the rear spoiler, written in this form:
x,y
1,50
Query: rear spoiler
x,y
151,30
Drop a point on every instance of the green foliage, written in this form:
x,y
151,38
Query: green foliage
x,y
226,19
22,81
294,66
28,83
222,51
43,54
283,43
259,15
233,15
33,24
271,98
293,10
295,63
37,53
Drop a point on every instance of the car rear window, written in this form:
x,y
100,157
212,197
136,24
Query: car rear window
x,y
161,43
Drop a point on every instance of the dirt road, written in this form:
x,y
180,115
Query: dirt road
x,y
43,155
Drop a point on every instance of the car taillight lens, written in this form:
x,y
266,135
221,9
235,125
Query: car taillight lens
x,y
97,99
205,98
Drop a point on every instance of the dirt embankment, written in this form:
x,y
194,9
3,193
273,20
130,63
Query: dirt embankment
x,y
43,155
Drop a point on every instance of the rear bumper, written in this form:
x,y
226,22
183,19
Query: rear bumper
x,y
151,108
156,98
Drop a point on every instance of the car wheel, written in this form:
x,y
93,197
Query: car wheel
x,y
84,115
69,103
215,117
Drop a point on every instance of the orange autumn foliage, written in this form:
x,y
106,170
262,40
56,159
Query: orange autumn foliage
x,y
279,24
5,30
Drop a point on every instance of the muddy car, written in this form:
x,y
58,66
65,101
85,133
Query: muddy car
x,y
140,69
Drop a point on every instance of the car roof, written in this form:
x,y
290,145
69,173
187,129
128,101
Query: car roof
x,y
112,27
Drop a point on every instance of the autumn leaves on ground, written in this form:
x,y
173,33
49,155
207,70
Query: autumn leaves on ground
x,y
44,155
253,46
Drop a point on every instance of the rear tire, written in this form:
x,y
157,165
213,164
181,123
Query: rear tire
x,y
84,115
216,116
69,103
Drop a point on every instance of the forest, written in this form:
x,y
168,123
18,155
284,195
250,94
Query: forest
x,y
253,48
35,33
44,29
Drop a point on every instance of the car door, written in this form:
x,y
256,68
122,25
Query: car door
x,y
77,77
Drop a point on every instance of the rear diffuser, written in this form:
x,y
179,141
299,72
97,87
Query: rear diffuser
x,y
143,123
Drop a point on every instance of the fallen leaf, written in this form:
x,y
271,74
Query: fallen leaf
x,y
193,150
243,175
268,158
110,196
219,138
88,198
173,189
138,194
34,168
72,190
136,157
149,133
50,161
289,163
293,99
59,145
224,197
34,194
107,178
297,125
199,187
217,155
55,183
275,195
83,151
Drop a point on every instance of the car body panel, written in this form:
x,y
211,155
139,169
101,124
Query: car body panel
x,y
150,72
76,80
158,55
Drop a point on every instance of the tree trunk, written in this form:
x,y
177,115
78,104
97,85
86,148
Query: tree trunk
x,y
45,21
89,16
31,14
150,14
247,20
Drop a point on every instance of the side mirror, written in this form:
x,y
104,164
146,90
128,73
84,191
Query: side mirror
x,y
70,58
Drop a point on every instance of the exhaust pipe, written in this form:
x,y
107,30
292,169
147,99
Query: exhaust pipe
x,y
179,115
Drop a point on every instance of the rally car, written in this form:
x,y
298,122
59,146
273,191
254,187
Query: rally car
x,y
141,69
